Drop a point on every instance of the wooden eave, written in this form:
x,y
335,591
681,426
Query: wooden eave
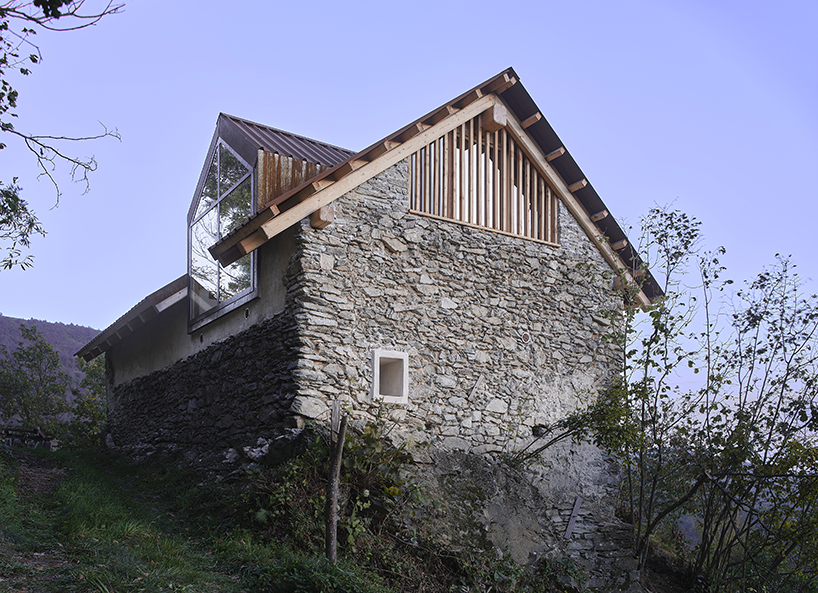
x,y
528,127
141,313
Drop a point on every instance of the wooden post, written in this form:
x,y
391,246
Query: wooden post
x,y
331,537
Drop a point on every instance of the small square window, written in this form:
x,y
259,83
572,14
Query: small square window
x,y
390,377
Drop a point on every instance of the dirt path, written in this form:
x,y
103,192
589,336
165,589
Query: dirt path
x,y
36,476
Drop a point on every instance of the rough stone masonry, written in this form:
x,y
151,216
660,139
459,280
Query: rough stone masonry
x,y
502,334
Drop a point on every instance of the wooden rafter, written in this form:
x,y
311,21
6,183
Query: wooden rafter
x,y
571,202
555,154
313,200
530,121
577,185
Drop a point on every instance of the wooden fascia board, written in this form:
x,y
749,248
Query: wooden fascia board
x,y
171,300
574,207
321,198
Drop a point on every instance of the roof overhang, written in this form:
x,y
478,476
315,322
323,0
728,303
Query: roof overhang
x,y
138,315
527,126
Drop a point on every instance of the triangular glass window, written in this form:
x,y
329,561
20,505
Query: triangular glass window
x,y
210,188
231,170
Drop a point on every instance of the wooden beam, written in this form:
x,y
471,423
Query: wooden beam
x,y
387,145
599,215
322,183
500,85
347,168
245,246
123,331
439,115
577,185
407,134
555,154
530,121
619,245
292,215
468,99
494,118
323,217
573,205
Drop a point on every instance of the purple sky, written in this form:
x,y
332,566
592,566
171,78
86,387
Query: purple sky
x,y
709,103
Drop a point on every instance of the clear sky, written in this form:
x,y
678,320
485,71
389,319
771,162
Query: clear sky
x,y
711,104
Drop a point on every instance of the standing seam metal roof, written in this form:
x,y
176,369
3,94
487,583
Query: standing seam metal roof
x,y
289,144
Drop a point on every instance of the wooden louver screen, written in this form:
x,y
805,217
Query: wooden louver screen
x,y
483,179
278,174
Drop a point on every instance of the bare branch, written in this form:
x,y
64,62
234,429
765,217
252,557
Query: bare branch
x,y
27,12
47,155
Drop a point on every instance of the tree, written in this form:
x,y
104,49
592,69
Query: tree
x,y
17,224
32,382
738,450
19,21
89,404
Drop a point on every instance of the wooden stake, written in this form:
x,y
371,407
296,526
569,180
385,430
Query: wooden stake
x,y
333,479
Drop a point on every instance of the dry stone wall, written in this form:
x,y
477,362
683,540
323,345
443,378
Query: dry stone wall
x,y
502,335
236,390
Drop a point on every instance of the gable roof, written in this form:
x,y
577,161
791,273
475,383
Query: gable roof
x,y
528,126
247,137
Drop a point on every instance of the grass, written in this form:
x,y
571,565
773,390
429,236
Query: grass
x,y
111,526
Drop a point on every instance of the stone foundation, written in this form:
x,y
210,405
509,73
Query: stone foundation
x,y
236,390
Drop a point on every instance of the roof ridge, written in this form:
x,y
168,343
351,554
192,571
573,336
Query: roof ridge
x,y
286,133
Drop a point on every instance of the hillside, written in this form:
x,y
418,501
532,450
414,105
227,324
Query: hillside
x,y
66,339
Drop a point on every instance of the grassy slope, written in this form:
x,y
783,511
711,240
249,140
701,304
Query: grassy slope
x,y
112,527
87,521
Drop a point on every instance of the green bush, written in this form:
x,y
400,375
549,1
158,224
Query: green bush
x,y
8,495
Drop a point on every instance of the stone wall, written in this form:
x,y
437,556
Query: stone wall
x,y
236,390
502,334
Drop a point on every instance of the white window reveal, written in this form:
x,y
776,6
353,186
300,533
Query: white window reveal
x,y
390,377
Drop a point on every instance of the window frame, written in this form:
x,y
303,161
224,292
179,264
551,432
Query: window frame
x,y
220,308
376,391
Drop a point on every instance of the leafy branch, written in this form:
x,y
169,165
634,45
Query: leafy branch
x,y
17,224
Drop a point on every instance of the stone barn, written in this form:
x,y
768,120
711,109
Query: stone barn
x,y
455,276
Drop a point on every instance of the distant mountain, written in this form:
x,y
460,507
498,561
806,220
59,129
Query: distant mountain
x,y
66,339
